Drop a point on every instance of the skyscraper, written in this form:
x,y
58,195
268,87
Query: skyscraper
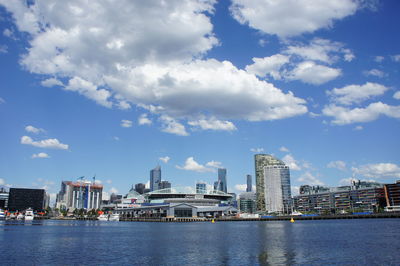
x,y
222,179
261,161
155,178
277,189
201,188
249,185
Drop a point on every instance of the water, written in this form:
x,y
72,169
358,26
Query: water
x,y
323,242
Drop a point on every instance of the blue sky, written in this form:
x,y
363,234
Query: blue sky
x,y
114,88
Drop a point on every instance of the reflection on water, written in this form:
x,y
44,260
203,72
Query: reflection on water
x,y
202,243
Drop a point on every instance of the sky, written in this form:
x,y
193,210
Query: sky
x,y
114,88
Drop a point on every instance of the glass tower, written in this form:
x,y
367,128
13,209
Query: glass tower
x,y
155,178
277,189
249,185
201,188
261,161
222,180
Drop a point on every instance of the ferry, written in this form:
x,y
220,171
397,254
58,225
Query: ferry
x,y
29,215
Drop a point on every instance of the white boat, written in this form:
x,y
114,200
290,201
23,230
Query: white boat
x,y
20,216
103,217
296,213
2,215
114,217
29,215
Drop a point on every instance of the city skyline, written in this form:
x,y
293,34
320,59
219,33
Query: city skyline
x,y
205,86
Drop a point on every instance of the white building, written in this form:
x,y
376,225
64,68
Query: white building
x,y
277,189
79,195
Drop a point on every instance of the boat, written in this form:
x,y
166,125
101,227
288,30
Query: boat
x,y
114,217
2,215
296,213
103,217
20,216
29,215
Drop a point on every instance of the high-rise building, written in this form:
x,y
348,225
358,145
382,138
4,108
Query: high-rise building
x,y
201,188
140,187
21,199
247,202
261,162
277,189
79,195
248,189
222,180
155,178
216,185
164,184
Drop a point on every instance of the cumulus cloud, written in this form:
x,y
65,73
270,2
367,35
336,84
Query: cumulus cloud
x,y
312,73
396,58
213,124
132,59
396,95
165,159
214,164
379,58
257,150
126,123
359,128
144,120
32,129
287,18
40,155
374,72
356,93
284,149
241,187
344,116
290,161
379,170
50,82
192,165
47,143
308,179
338,165
268,66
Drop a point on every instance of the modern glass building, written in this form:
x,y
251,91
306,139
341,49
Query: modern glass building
x,y
201,188
222,180
249,183
247,202
21,199
261,161
277,189
155,178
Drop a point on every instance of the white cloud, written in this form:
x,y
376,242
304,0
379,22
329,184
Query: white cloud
x,y
113,190
165,159
290,161
108,181
396,58
34,130
170,125
374,72
126,123
283,149
40,155
379,58
214,164
268,66
346,181
2,182
289,18
344,116
3,49
379,170
308,179
357,93
359,128
116,138
192,165
312,73
9,33
144,120
340,165
213,124
241,187
47,143
132,59
396,95
50,82
123,105
257,150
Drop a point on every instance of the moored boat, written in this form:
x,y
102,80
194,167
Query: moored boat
x,y
29,215
103,217
114,217
20,216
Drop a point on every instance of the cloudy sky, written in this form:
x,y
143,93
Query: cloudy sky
x,y
113,88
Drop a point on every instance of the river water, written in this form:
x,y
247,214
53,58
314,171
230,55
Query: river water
x,y
322,242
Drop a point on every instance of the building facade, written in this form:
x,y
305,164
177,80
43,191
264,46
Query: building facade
x,y
21,199
247,202
140,187
277,189
79,195
155,178
222,180
249,183
164,184
392,194
3,198
201,187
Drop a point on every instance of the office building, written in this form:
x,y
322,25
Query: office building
x,y
79,195
222,185
201,187
249,183
164,185
392,194
155,178
247,202
140,187
21,199
233,201
277,189
3,198
261,161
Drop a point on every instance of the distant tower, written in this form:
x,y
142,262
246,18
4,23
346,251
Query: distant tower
x,y
222,179
155,178
249,185
201,188
261,162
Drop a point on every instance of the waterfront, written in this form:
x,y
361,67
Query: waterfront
x,y
351,242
